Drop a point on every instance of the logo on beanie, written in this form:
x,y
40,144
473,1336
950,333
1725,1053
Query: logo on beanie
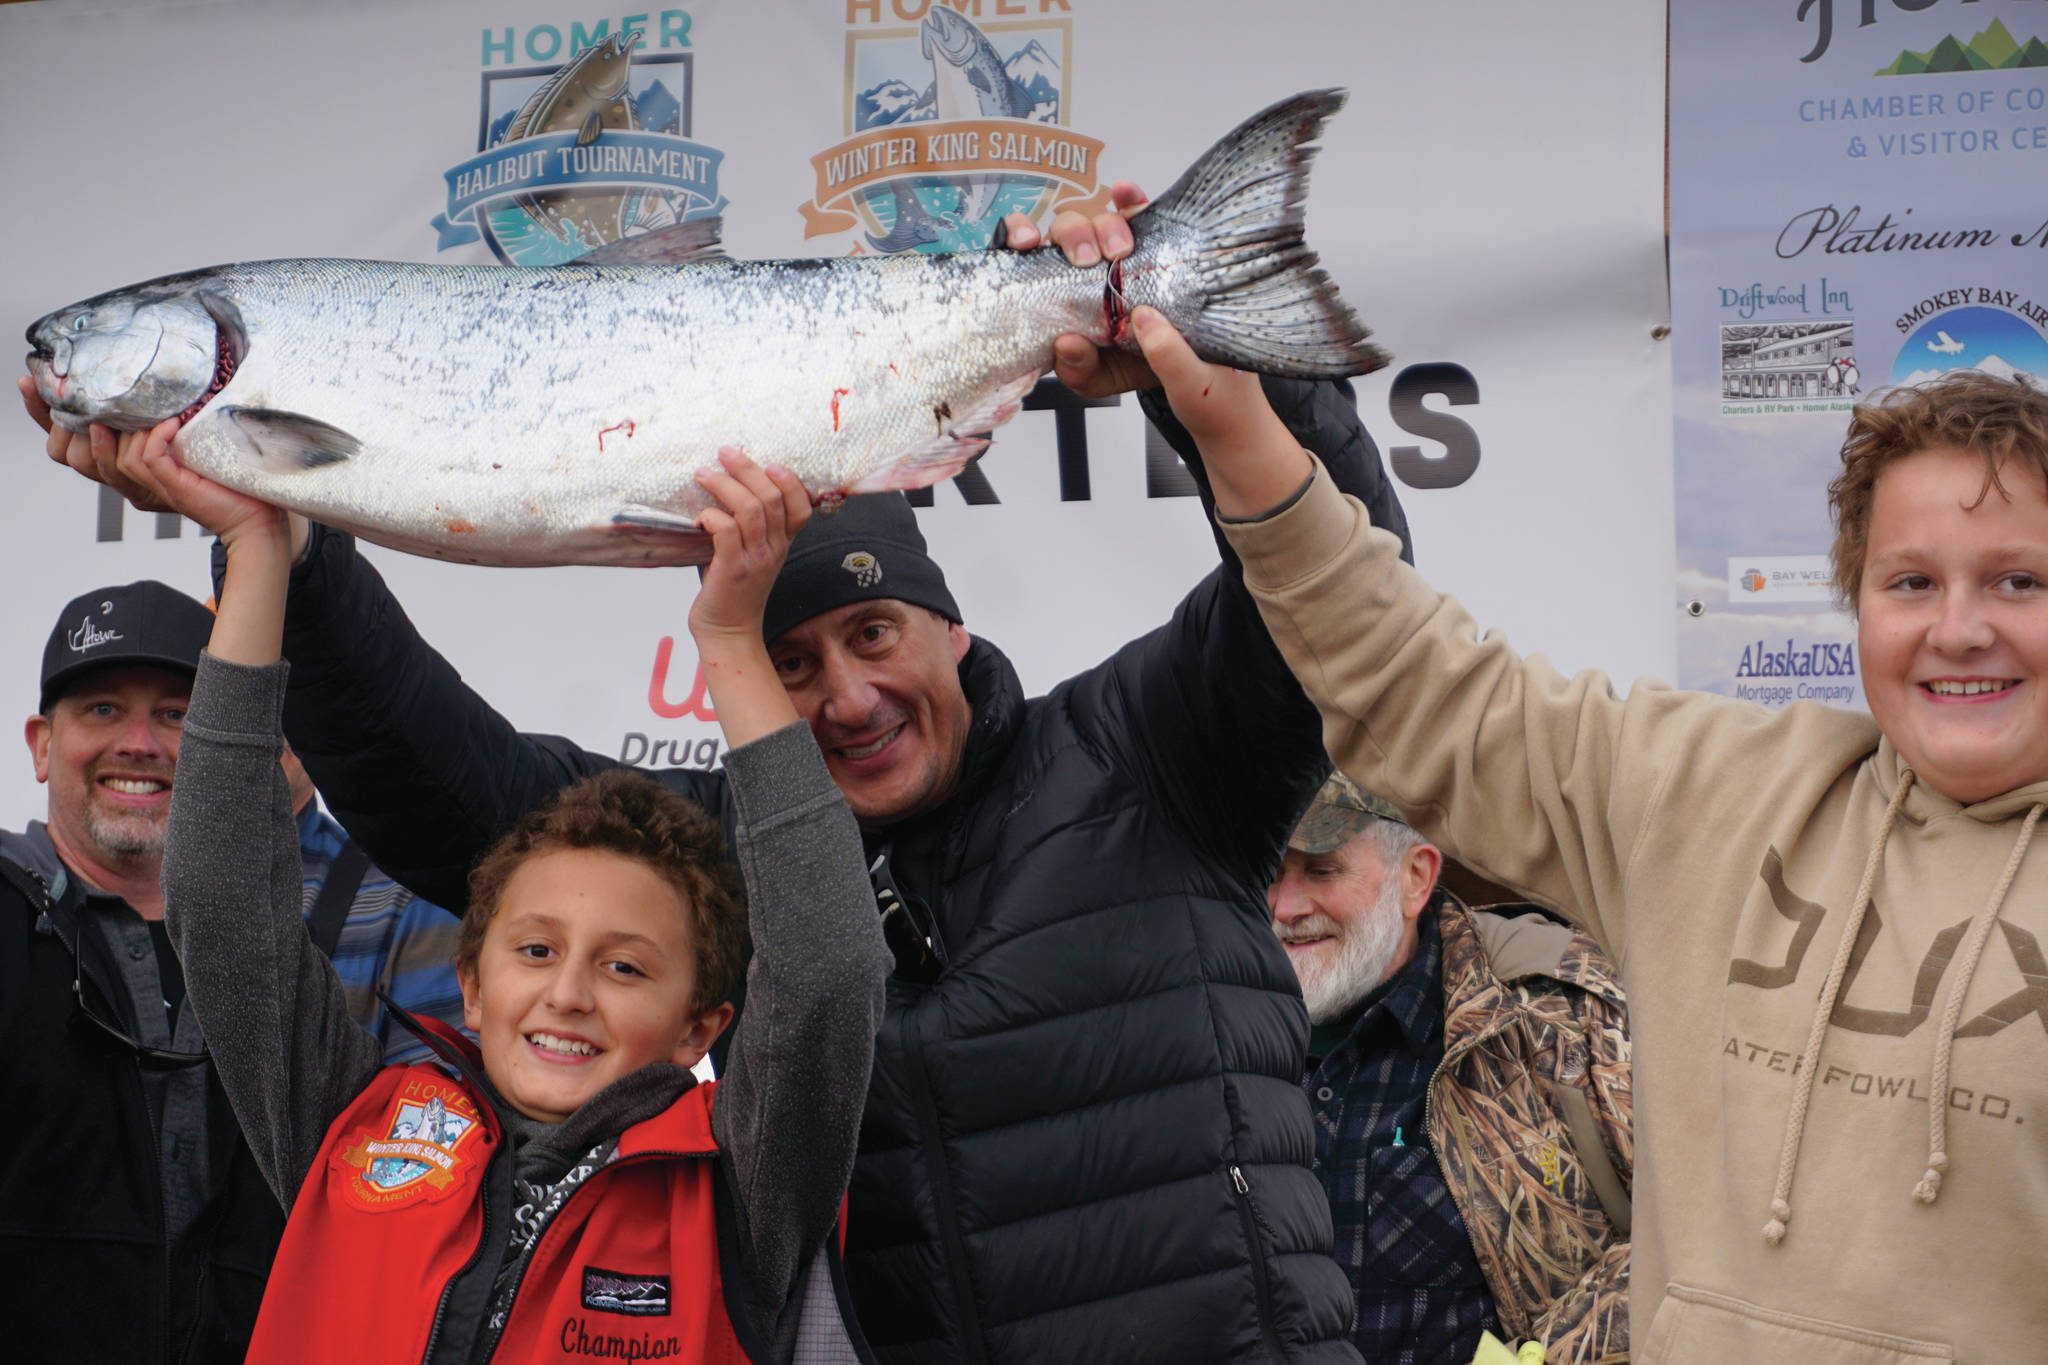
x,y
865,568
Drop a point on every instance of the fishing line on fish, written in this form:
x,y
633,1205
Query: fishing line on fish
x,y
1116,308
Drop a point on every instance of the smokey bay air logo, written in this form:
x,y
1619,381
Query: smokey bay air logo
x,y
576,155
952,125
1973,337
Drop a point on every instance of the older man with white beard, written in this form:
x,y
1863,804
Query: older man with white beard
x,y
1469,1071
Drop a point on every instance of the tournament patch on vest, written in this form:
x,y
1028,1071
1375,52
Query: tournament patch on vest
x,y
613,1291
429,1136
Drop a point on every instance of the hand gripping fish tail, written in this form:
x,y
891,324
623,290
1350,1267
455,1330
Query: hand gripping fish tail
x,y
1235,219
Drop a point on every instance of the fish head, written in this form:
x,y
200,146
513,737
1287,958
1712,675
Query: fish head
x,y
128,359
950,34
607,66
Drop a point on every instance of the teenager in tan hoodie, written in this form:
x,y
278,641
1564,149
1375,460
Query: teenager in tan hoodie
x,y
1824,918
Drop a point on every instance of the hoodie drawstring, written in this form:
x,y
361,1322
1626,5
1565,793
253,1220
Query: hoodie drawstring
x,y
1802,1085
1945,1036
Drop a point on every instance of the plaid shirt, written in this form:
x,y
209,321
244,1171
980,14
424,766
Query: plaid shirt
x,y
391,941
1422,1298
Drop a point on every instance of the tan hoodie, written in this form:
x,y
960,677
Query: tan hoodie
x,y
1717,849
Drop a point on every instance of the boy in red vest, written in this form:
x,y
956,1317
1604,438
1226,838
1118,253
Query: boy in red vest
x,y
563,1190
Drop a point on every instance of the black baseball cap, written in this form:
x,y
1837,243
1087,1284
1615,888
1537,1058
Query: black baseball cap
x,y
870,548
144,623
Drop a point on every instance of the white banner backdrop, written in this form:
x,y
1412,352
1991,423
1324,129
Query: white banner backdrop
x,y
1490,200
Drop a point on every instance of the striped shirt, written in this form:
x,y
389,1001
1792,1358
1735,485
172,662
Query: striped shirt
x,y
391,941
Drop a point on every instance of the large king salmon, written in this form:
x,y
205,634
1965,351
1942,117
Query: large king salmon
x,y
499,415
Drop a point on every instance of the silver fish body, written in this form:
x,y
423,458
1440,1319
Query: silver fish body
x,y
558,416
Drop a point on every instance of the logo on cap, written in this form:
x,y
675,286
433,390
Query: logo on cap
x,y
87,635
865,568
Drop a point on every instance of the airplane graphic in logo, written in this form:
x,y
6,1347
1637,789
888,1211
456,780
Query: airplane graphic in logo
x,y
1948,345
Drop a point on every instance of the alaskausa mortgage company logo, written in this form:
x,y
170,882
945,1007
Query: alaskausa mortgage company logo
x,y
583,140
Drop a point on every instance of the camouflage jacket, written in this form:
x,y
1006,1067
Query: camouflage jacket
x,y
1530,1116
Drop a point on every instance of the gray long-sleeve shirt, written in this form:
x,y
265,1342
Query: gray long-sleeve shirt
x,y
291,1059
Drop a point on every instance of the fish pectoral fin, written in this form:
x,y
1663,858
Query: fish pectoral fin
x,y
593,125
290,442
958,440
638,516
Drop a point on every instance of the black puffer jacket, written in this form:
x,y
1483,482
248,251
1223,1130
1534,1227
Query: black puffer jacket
x,y
1086,1140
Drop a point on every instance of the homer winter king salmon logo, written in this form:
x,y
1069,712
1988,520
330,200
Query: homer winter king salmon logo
x,y
583,141
953,122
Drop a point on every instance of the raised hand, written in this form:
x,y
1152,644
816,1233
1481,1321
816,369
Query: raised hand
x,y
140,466
759,513
1254,462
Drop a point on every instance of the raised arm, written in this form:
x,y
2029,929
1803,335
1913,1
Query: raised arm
x,y
787,1114
1205,712
420,770
275,1015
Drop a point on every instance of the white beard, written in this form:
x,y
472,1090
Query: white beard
x,y
1332,983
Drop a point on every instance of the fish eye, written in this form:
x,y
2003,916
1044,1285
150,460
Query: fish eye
x,y
78,323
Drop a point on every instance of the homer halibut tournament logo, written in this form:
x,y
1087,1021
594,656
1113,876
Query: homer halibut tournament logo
x,y
583,140
953,122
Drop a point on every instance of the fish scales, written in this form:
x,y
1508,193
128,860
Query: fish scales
x,y
547,416
813,369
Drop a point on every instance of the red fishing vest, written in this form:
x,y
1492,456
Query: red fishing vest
x,y
384,1260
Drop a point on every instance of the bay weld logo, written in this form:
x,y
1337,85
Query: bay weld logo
x,y
585,145
953,123
89,636
1784,578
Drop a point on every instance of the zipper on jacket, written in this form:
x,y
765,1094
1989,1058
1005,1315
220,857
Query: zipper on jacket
x,y
532,1256
1261,1286
1429,1136
933,1141
483,1241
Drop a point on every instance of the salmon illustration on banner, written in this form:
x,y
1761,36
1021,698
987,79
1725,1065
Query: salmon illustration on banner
x,y
952,125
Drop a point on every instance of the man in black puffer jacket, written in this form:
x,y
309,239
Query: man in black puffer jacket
x,y
1085,1139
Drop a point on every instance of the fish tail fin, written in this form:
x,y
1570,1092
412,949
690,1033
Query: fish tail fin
x,y
957,440
1266,304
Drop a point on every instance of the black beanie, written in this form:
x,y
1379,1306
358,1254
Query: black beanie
x,y
870,548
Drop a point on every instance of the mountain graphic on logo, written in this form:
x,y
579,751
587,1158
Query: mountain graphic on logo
x,y
1994,49
889,102
657,110
1034,71
1996,366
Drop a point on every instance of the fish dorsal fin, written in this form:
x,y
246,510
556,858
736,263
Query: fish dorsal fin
x,y
290,442
690,242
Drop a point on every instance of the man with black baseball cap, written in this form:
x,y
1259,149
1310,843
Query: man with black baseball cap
x,y
135,1226
1085,1138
